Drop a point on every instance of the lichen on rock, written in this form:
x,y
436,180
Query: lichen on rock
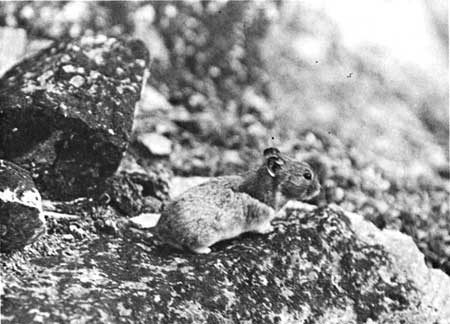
x,y
21,218
67,111
321,266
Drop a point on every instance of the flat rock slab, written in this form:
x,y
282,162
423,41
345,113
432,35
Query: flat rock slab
x,y
322,266
67,111
145,220
21,218
16,38
156,144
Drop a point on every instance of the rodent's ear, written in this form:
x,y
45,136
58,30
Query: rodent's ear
x,y
271,151
273,164
274,161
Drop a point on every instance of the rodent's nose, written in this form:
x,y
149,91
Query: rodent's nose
x,y
318,188
317,184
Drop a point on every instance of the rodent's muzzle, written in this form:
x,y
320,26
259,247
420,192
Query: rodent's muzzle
x,y
313,191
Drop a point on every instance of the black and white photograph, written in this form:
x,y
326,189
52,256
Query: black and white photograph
x,y
221,162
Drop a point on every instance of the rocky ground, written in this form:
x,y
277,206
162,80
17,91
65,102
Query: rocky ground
x,y
213,100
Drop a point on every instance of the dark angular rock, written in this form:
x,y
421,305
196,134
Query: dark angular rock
x,y
66,113
21,218
152,177
124,194
134,188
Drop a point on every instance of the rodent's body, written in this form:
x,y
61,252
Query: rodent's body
x,y
212,212
226,207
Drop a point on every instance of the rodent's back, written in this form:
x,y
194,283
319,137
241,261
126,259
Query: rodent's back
x,y
198,213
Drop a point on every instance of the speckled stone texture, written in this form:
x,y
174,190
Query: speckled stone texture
x,y
21,217
134,188
66,113
320,266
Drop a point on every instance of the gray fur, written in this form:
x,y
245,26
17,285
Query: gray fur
x,y
226,207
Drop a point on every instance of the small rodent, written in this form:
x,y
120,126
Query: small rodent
x,y
228,206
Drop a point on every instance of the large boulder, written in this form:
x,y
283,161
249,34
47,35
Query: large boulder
x,y
66,113
21,218
318,266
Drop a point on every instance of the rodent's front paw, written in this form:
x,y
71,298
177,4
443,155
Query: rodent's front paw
x,y
202,250
265,229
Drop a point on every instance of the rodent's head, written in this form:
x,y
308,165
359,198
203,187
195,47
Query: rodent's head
x,y
296,180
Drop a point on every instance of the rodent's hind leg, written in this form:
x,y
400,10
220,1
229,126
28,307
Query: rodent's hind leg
x,y
201,250
200,243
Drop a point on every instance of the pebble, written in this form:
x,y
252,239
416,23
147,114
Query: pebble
x,y
146,220
257,102
77,81
72,69
232,157
157,144
68,237
111,226
152,204
152,100
257,130
338,194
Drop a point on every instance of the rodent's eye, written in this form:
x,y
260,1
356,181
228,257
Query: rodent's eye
x,y
307,175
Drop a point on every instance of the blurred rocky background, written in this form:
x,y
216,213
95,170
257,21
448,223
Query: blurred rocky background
x,y
358,89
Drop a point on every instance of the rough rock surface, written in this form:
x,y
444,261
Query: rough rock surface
x,y
152,177
67,112
21,217
124,194
134,188
321,266
213,56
